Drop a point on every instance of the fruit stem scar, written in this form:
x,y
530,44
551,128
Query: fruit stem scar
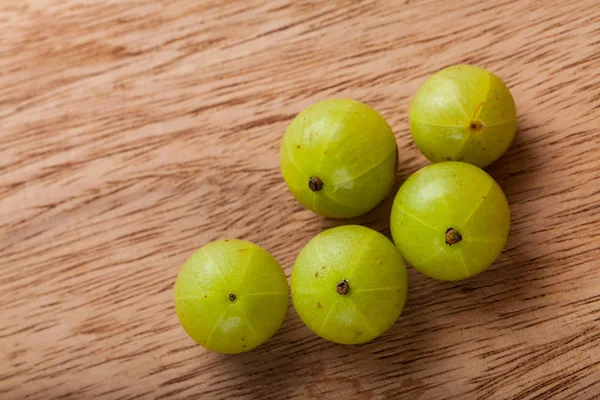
x,y
475,126
343,287
315,184
452,236
232,297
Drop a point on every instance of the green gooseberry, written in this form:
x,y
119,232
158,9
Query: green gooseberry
x,y
463,113
339,158
450,220
349,284
231,296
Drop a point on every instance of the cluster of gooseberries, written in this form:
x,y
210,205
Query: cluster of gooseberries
x,y
449,220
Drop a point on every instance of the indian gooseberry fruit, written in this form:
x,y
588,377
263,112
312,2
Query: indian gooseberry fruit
x,y
231,296
450,220
349,284
463,113
338,158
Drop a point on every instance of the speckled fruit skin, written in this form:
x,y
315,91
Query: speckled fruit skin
x,y
463,113
450,195
349,147
375,275
221,322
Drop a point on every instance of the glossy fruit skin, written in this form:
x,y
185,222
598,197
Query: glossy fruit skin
x,y
450,195
463,113
209,313
375,275
352,151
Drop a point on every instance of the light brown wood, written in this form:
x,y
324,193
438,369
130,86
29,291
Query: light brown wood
x,y
133,132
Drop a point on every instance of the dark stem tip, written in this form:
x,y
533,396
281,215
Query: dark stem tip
x,y
343,287
315,184
232,297
476,126
452,236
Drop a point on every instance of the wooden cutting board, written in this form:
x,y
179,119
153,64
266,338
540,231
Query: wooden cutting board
x,y
134,132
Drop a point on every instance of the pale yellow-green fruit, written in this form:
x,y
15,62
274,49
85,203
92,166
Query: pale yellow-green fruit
x,y
450,220
349,284
338,158
231,296
463,113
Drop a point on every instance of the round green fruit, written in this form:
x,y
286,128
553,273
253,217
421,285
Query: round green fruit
x,y
338,158
349,284
463,113
231,296
450,220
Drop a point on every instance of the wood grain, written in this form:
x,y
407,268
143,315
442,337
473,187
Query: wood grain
x,y
134,132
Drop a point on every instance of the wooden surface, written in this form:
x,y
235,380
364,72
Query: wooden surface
x,y
133,132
